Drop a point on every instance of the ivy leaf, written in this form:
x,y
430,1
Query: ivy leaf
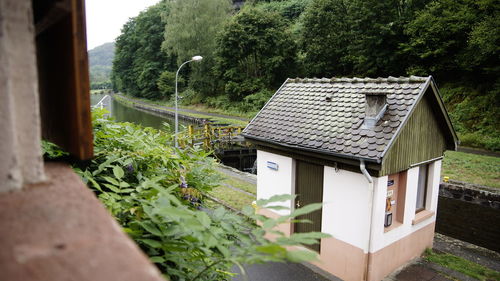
x,y
112,188
151,228
272,250
111,180
118,172
151,243
301,256
204,219
157,259
275,198
306,209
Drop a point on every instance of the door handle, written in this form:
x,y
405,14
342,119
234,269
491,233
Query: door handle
x,y
297,204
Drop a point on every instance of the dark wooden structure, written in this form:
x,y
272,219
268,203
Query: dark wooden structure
x,y
63,75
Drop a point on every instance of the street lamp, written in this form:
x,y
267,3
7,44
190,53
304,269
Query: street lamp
x,y
195,58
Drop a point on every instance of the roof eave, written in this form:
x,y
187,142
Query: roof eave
x,y
338,155
435,90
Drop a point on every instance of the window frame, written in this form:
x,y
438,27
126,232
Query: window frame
x,y
422,188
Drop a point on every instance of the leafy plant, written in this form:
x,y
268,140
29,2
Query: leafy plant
x,y
52,151
154,191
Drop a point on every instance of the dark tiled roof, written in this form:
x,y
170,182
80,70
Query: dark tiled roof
x,y
299,115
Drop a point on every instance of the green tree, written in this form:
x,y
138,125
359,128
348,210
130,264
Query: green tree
x,y
438,37
289,9
191,30
255,52
139,61
458,42
326,37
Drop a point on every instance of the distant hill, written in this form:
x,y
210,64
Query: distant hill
x,y
100,63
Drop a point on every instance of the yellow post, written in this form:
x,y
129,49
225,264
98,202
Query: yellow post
x,y
191,134
206,140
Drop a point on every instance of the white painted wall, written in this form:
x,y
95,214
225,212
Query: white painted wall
x,y
271,182
347,201
346,213
381,239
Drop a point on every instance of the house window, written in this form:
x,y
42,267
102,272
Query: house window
x,y
422,187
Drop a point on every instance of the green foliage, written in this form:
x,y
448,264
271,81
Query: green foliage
x,y
154,191
100,63
291,9
255,52
473,168
326,34
464,266
139,61
191,29
52,151
166,84
475,114
452,39
249,54
101,85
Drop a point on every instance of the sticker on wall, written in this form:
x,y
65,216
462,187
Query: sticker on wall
x,y
390,182
272,165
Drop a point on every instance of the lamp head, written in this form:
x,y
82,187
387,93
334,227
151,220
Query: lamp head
x,y
197,58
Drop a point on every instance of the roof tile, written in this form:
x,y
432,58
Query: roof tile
x,y
299,115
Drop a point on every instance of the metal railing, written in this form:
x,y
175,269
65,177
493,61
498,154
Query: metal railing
x,y
100,104
210,137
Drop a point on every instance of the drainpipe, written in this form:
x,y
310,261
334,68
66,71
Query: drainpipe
x,y
362,167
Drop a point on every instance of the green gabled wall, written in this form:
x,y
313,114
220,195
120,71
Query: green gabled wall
x,y
421,139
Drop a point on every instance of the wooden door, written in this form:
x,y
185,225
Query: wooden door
x,y
309,189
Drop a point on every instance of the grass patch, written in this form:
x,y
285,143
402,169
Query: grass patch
x,y
472,168
461,265
232,197
243,185
204,108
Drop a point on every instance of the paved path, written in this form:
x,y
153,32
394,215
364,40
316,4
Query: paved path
x,y
418,270
282,272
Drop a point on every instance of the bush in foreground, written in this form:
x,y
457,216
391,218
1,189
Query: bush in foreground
x,y
155,192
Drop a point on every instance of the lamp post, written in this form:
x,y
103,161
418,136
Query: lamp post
x,y
195,58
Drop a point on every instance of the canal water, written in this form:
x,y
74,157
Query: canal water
x,y
122,113
237,157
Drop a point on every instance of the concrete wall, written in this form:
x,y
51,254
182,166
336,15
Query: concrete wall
x,y
19,109
470,214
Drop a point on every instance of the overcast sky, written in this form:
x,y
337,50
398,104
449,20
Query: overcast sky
x,y
105,18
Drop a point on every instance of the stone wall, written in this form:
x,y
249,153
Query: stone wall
x,y
470,213
21,161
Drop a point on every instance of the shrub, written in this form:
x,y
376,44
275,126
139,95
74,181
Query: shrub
x,y
155,192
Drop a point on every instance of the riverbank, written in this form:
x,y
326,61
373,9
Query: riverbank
x,y
473,166
184,113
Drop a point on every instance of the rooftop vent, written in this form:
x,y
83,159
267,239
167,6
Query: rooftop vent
x,y
376,104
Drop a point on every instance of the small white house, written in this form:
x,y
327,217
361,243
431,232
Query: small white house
x,y
370,150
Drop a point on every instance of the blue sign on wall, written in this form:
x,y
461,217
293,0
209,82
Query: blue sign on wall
x,y
272,165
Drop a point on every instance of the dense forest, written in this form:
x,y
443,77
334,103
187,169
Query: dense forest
x,y
249,52
100,64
